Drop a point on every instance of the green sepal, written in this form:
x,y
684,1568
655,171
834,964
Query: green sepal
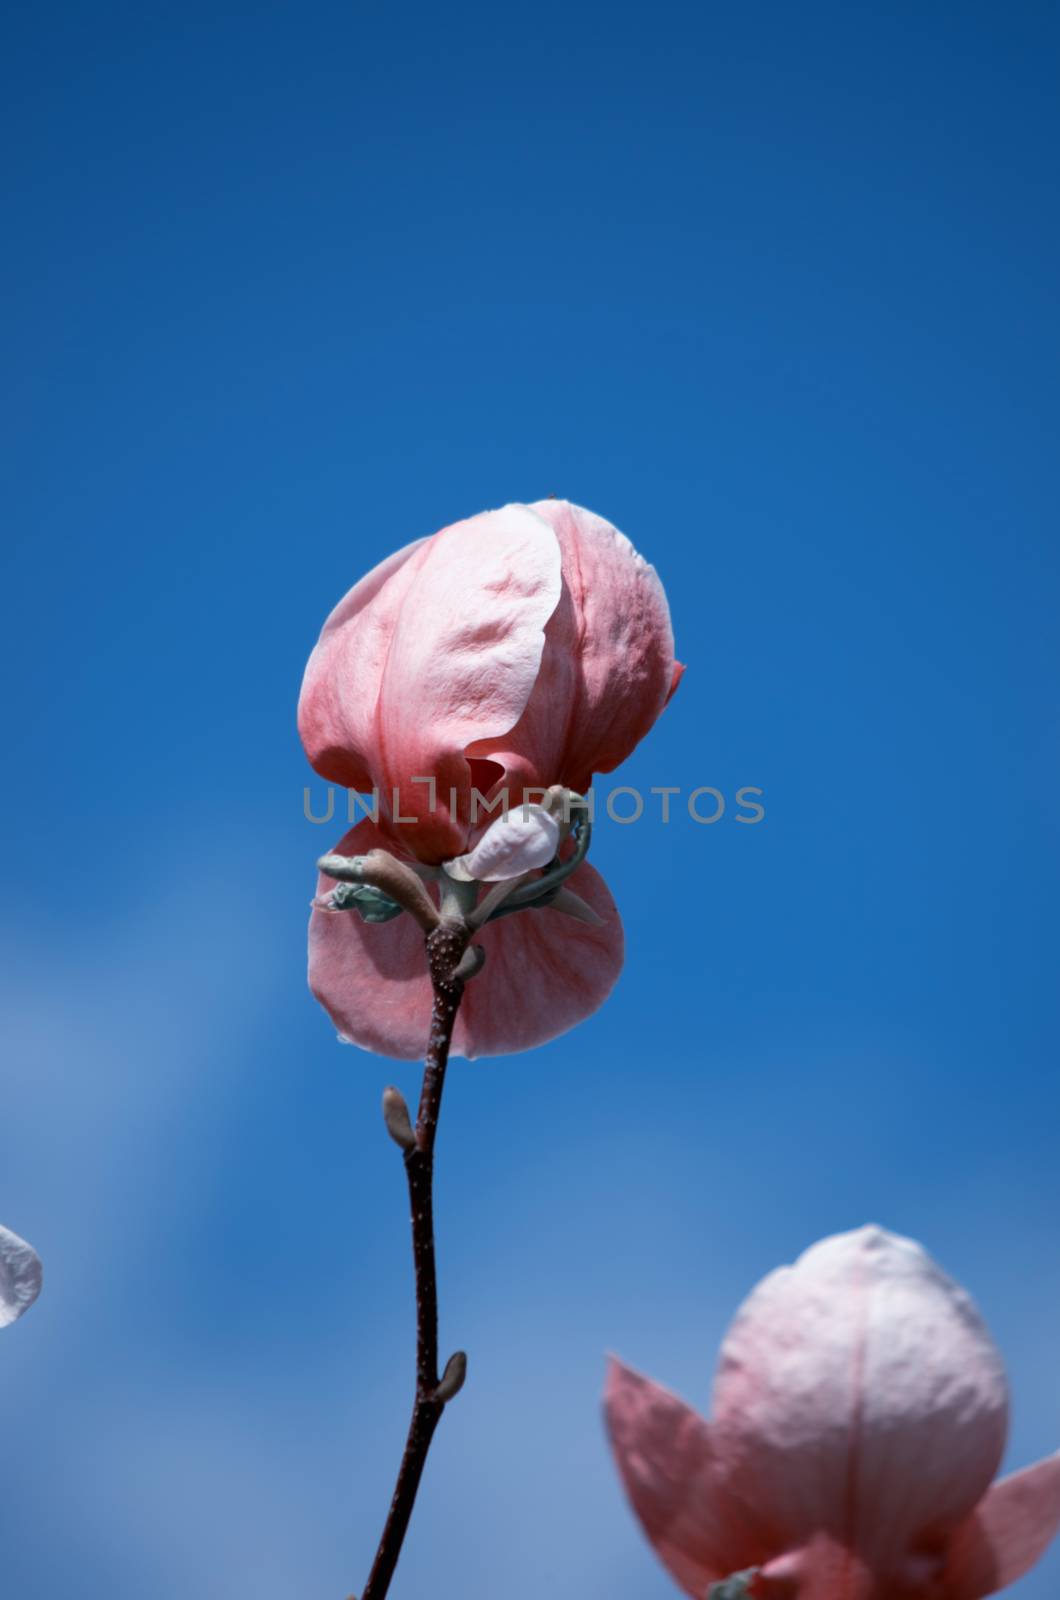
x,y
371,905
736,1587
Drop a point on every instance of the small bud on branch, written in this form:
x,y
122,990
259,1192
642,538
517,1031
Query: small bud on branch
x,y
397,1119
471,963
452,1379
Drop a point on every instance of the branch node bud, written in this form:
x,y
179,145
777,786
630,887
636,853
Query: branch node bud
x,y
471,963
397,1119
452,1379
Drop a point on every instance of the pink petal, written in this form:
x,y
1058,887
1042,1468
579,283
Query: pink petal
x,y
826,1570
859,1394
438,648
1008,1532
336,708
666,1458
527,838
544,972
608,667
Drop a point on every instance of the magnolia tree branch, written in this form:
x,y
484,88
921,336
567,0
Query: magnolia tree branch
x,y
447,956
379,887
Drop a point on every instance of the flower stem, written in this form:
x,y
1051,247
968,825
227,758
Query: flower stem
x,y
445,946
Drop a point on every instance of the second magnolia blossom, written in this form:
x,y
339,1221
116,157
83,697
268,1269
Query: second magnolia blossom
x,y
520,651
860,1414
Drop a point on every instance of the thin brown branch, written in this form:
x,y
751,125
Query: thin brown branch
x,y
445,947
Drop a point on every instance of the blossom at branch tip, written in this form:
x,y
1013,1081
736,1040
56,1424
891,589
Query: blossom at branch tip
x,y
860,1413
513,654
521,648
20,1276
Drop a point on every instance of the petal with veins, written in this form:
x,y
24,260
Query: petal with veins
x,y
438,647
1009,1531
340,687
608,665
667,1460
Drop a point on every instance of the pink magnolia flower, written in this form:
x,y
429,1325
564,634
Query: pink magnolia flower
x,y
860,1413
524,648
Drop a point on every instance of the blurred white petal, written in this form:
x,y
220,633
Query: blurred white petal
x,y
20,1276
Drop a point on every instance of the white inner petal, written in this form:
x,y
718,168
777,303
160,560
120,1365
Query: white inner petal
x,y
525,839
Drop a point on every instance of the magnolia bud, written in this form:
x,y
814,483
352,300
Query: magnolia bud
x,y
397,1119
471,963
452,1380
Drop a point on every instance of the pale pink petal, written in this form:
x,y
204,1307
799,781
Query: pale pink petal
x,y
522,841
436,649
666,1459
1009,1531
340,689
608,665
20,1276
463,660
544,972
860,1395
827,1570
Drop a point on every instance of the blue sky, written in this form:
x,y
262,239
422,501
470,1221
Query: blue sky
x,y
773,288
